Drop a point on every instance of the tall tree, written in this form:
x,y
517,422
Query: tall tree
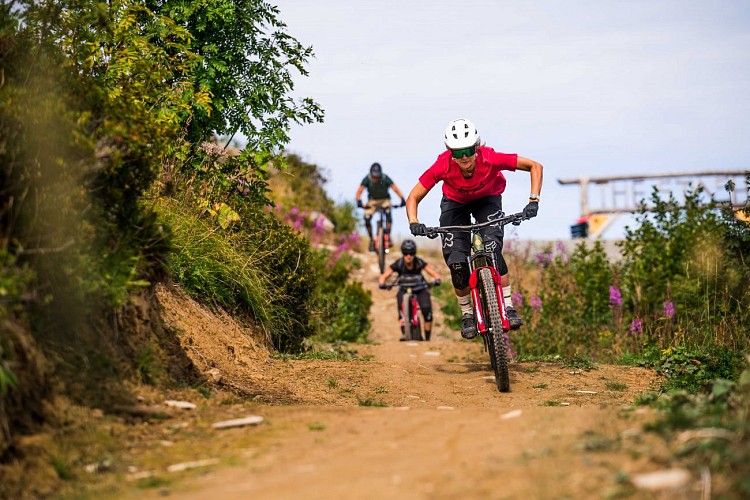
x,y
248,66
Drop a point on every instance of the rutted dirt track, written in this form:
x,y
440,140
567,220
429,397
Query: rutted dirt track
x,y
445,433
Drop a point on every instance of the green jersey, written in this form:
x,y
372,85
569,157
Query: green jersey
x,y
377,190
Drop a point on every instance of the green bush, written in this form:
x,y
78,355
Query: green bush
x,y
685,274
569,314
693,370
14,285
342,307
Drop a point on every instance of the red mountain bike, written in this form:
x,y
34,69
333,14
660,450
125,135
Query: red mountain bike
x,y
487,295
409,306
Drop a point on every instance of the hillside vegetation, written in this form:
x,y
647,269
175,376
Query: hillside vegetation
x,y
113,181
119,173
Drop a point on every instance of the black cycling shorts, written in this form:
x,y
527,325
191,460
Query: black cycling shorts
x,y
457,245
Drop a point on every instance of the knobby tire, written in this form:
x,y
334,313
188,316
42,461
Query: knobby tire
x,y
408,327
381,249
420,327
495,338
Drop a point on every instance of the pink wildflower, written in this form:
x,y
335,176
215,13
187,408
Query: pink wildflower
x,y
536,302
615,298
636,327
668,309
517,299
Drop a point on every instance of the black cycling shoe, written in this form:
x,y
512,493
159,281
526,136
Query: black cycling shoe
x,y
513,318
468,327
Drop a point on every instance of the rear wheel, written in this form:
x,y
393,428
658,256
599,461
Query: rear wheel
x,y
381,248
495,338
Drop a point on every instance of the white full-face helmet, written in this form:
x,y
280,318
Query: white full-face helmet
x,y
461,133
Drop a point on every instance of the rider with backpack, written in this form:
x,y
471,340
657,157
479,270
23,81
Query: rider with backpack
x,y
411,265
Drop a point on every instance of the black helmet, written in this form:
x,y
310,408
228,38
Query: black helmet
x,y
376,170
408,246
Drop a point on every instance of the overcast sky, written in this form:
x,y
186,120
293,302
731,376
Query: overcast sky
x,y
586,88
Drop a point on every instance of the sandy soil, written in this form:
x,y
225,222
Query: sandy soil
x,y
400,420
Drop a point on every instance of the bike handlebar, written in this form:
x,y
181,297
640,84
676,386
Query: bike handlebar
x,y
514,219
377,207
412,283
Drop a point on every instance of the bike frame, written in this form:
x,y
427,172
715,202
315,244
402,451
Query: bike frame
x,y
477,260
413,313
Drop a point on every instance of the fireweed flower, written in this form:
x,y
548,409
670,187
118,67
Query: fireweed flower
x,y
615,298
319,226
517,299
636,327
543,258
668,309
560,247
353,239
536,302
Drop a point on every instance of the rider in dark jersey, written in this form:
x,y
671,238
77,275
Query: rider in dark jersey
x,y
411,265
377,185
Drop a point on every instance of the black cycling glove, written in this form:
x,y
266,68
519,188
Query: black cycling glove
x,y
382,286
437,282
418,229
531,209
403,202
359,204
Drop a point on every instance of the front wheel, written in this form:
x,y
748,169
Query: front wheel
x,y
406,316
417,329
495,337
381,249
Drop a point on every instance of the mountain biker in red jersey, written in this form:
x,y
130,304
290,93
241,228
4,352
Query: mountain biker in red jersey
x,y
377,185
411,265
473,184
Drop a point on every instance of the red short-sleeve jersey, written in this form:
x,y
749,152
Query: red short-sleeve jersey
x,y
487,179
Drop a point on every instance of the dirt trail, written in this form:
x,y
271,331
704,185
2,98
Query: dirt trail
x,y
445,433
